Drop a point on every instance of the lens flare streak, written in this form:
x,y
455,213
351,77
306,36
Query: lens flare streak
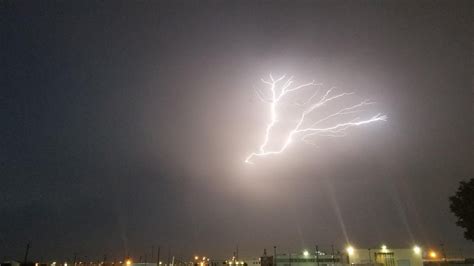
x,y
281,87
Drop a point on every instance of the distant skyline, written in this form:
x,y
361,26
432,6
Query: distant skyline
x,y
125,125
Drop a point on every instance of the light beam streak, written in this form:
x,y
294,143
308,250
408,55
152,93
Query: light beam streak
x,y
277,93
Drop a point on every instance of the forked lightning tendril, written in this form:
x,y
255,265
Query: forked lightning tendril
x,y
281,87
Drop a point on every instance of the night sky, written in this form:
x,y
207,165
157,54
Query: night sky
x,y
124,124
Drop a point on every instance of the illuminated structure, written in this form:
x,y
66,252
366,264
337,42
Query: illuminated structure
x,y
310,259
386,256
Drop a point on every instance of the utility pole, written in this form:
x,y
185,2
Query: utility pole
x,y
28,245
75,257
274,255
237,252
332,254
317,255
169,256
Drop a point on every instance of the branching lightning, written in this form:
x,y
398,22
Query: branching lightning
x,y
305,128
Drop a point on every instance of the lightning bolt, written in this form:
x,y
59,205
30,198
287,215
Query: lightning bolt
x,y
281,87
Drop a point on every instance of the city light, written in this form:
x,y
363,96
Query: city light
x,y
417,250
384,248
433,255
196,257
305,253
350,250
129,262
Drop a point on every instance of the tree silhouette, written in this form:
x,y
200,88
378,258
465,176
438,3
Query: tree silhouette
x,y
462,205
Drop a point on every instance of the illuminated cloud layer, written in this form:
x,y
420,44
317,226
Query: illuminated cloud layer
x,y
305,128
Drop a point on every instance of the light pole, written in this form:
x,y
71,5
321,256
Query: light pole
x,y
158,256
28,245
332,255
350,251
317,255
274,255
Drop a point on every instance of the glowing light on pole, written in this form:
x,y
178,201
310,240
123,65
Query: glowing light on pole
x,y
281,87
417,250
350,250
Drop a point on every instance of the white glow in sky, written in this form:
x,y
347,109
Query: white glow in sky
x,y
307,128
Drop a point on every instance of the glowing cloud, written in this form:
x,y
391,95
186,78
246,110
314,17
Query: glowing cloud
x,y
305,128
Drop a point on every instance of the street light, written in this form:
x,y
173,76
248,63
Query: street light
x,y
129,262
433,255
417,250
384,248
305,253
350,250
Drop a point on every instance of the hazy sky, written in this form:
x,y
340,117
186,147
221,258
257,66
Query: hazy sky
x,y
125,125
